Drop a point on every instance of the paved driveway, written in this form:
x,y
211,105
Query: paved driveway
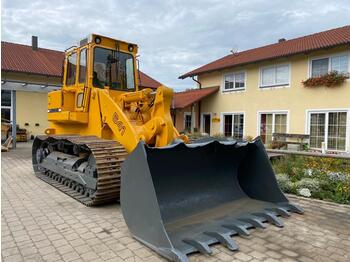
x,y
39,223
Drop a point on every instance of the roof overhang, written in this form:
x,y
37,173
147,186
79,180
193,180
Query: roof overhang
x,y
28,87
184,99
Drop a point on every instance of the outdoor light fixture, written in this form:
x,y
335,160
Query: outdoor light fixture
x,y
98,40
43,86
130,48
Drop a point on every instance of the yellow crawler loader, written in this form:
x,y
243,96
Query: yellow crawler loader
x,y
109,141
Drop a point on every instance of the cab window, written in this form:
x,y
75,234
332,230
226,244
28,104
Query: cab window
x,y
71,69
82,66
113,69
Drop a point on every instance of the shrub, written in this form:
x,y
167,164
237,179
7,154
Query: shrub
x,y
323,178
284,183
310,183
305,192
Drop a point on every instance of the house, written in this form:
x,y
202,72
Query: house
x,y
28,74
186,110
261,90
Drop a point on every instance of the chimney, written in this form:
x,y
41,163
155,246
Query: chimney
x,y
34,43
281,40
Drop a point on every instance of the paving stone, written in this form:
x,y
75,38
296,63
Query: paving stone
x,y
71,256
242,257
13,258
9,251
39,223
89,256
52,257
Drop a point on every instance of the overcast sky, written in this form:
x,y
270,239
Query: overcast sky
x,y
174,36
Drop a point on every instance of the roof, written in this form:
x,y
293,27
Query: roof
x,y
321,40
23,59
186,98
148,82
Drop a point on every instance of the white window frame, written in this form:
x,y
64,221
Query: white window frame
x,y
282,85
222,121
223,90
9,107
327,111
202,120
329,62
274,112
192,119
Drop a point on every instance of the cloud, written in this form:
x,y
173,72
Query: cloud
x,y
174,36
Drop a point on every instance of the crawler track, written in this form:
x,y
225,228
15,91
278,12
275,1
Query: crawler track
x,y
104,156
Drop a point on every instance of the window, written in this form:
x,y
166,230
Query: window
x,y
188,122
328,127
276,75
272,123
322,66
113,69
234,81
71,69
340,64
82,66
6,104
317,129
233,125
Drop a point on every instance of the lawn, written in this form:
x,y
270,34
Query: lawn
x,y
315,177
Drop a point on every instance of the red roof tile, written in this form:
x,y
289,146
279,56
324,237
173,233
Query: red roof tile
x,y
186,98
148,82
23,59
325,39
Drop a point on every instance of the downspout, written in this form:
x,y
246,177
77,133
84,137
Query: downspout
x,y
199,104
199,83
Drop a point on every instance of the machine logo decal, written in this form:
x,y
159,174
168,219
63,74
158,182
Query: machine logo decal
x,y
120,125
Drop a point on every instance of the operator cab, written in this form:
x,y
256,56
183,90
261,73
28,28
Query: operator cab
x,y
111,64
98,62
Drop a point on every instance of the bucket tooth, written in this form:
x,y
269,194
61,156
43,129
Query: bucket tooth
x,y
253,221
178,256
271,218
223,239
239,229
200,246
293,208
280,211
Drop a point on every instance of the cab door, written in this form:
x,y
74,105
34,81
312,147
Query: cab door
x,y
82,90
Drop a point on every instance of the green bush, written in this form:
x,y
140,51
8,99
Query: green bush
x,y
285,183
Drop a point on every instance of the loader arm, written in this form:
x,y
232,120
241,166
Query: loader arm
x,y
158,130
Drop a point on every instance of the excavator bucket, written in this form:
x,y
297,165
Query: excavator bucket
x,y
182,198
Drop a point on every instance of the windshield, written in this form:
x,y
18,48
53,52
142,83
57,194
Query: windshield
x,y
114,69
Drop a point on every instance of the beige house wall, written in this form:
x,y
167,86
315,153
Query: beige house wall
x,y
31,107
180,117
295,98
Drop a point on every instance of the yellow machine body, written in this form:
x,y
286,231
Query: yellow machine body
x,y
122,113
